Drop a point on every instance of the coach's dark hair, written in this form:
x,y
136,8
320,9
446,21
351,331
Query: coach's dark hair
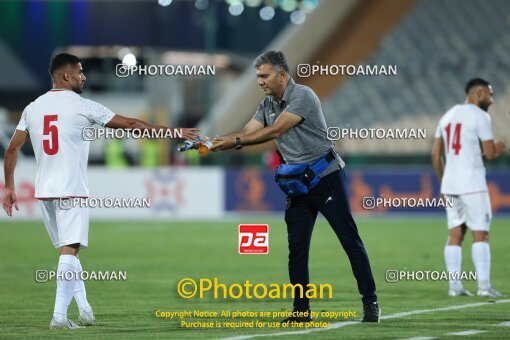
x,y
62,60
275,58
476,82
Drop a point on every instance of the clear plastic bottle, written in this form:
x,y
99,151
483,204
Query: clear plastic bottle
x,y
187,145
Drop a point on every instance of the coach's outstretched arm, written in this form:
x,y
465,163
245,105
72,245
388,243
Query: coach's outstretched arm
x,y
259,134
11,156
121,122
252,126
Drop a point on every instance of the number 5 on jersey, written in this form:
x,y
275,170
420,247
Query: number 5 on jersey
x,y
456,138
50,145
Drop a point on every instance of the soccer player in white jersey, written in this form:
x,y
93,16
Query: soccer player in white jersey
x,y
54,122
458,137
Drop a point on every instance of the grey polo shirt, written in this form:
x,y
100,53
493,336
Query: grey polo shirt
x,y
307,141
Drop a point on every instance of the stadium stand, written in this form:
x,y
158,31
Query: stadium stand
x,y
431,73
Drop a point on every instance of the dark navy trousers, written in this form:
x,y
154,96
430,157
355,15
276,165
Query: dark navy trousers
x,y
329,198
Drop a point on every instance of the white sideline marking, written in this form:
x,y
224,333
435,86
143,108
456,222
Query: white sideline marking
x,y
471,332
422,338
348,323
504,324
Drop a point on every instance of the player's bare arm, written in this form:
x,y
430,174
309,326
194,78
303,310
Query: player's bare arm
x,y
284,123
121,122
493,150
500,148
11,156
437,158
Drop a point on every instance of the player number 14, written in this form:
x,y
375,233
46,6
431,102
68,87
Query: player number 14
x,y
50,146
456,138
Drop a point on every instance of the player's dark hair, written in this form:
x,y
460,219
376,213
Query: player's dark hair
x,y
62,60
275,58
476,82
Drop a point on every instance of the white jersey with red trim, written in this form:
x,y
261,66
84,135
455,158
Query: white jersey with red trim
x,y
54,123
462,128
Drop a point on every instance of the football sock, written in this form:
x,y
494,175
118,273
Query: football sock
x,y
482,259
453,259
80,294
65,286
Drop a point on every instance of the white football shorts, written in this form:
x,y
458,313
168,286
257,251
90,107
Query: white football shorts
x,y
65,225
472,209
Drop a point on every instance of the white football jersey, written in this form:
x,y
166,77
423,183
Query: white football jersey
x,y
54,123
462,128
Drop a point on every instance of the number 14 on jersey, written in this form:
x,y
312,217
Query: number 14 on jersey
x,y
456,138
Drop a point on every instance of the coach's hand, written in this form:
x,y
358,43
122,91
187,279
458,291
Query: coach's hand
x,y
9,200
223,143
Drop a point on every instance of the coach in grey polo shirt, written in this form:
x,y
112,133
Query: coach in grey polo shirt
x,y
307,141
292,115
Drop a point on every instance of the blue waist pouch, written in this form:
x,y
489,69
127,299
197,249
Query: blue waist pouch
x,y
299,179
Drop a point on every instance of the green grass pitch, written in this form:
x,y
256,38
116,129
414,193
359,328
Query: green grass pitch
x,y
156,255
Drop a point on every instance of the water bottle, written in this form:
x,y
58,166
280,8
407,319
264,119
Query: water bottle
x,y
205,145
187,145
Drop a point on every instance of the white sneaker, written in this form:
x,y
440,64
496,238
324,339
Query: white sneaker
x,y
87,319
491,292
54,324
459,292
